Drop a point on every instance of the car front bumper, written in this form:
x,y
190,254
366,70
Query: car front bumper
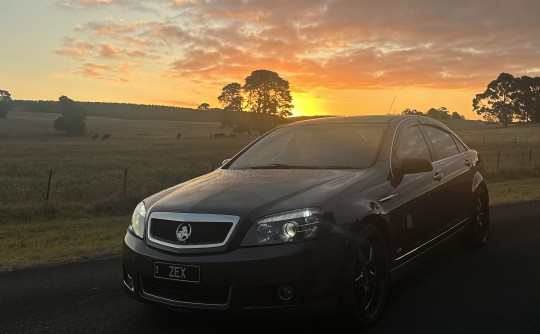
x,y
246,278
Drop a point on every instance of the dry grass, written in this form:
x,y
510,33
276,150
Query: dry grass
x,y
508,153
88,177
27,244
514,191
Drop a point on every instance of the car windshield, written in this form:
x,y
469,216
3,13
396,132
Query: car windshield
x,y
315,146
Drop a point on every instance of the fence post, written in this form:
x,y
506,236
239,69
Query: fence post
x,y
530,156
212,167
125,182
515,138
498,158
48,186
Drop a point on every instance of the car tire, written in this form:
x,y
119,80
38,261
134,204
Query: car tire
x,y
365,277
477,233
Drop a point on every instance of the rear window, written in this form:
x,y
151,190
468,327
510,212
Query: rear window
x,y
442,142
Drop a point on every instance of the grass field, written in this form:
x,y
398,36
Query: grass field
x,y
508,153
88,208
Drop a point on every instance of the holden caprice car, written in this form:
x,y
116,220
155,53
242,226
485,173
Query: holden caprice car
x,y
321,212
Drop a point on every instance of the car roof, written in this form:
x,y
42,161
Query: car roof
x,y
361,119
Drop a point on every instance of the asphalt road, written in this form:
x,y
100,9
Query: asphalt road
x,y
491,290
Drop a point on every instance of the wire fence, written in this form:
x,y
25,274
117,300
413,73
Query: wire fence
x,y
500,138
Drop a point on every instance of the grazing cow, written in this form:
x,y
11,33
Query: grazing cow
x,y
219,135
178,135
95,137
106,136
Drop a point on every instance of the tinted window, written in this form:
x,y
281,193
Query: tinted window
x,y
460,144
411,144
442,141
352,145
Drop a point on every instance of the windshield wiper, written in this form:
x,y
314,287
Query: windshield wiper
x,y
339,167
283,166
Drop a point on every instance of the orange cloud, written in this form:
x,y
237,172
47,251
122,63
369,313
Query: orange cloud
x,y
72,47
123,72
109,50
345,44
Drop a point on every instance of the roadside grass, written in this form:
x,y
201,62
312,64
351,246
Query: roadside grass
x,y
89,208
504,192
44,242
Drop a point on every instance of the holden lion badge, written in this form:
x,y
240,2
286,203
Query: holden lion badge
x,y
183,232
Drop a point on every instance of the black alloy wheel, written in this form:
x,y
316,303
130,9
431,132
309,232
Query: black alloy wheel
x,y
478,233
366,277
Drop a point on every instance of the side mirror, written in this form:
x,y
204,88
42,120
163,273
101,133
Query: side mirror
x,y
409,166
414,165
225,161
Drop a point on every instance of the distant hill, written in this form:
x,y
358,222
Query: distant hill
x,y
242,121
127,111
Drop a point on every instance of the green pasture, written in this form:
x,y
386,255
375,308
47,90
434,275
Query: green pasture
x,y
94,185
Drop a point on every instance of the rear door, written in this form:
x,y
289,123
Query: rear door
x,y
451,167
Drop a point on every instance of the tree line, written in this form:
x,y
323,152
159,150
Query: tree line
x,y
440,113
265,94
264,101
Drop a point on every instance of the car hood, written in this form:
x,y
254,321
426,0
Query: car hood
x,y
253,193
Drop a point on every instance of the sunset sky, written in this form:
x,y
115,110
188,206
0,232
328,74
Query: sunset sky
x,y
340,57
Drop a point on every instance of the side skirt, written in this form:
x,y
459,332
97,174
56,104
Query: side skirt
x,y
410,261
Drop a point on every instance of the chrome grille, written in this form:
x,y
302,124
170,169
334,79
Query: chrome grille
x,y
200,230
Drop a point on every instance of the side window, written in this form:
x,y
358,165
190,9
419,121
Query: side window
x,y
411,143
442,142
460,144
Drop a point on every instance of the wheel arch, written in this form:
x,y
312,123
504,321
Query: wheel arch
x,y
381,224
479,184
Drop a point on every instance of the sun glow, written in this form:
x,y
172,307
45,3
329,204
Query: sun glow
x,y
306,104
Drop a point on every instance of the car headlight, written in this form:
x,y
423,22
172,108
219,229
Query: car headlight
x,y
285,227
137,220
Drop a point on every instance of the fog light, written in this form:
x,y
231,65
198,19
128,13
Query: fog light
x,y
285,292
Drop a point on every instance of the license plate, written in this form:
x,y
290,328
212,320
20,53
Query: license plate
x,y
177,272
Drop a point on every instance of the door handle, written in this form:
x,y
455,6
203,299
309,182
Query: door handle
x,y
438,176
468,163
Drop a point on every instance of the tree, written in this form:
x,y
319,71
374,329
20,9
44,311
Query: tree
x,y
412,112
203,106
268,93
526,98
5,103
455,115
441,113
497,101
231,97
73,119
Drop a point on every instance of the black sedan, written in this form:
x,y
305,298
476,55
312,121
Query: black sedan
x,y
325,212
